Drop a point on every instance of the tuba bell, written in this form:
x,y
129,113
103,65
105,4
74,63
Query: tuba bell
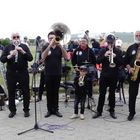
x,y
62,32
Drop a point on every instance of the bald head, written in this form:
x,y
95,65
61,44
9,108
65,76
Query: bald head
x,y
137,37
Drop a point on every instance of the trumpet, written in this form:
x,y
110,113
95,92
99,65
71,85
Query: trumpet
x,y
111,60
81,81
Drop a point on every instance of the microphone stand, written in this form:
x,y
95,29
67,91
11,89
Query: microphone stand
x,y
34,88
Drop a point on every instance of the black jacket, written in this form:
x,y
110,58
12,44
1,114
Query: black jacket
x,y
107,71
79,56
23,59
130,55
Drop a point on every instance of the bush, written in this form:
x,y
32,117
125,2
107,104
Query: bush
x,y
5,41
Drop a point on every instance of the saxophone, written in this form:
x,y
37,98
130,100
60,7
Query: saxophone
x,y
136,66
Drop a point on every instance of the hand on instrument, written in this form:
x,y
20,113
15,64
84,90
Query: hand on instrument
x,y
20,50
13,52
107,53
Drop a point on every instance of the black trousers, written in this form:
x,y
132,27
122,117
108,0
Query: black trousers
x,y
79,99
23,78
103,84
133,92
41,85
52,88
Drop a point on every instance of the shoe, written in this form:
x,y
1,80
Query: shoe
x,y
97,115
26,114
48,114
112,114
58,114
82,117
130,117
74,116
12,114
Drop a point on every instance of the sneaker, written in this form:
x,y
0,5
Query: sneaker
x,y
82,117
74,116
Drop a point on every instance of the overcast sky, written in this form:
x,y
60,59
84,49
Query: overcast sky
x,y
35,17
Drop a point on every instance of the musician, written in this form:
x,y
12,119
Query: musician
x,y
25,41
52,54
17,55
108,77
42,72
80,83
132,54
84,55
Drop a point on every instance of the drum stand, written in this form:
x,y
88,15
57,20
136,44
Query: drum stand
x,y
36,126
120,89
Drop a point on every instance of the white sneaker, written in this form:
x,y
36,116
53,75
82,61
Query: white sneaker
x,y
74,116
82,117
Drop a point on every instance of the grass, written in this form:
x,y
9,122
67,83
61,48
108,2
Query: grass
x,y
70,76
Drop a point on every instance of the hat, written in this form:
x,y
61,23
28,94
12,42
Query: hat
x,y
118,43
110,38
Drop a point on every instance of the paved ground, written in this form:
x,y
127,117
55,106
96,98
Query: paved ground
x,y
103,128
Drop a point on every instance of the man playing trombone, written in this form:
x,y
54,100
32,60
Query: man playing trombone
x,y
110,58
52,54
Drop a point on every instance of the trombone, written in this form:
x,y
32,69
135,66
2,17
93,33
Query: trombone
x,y
62,32
88,38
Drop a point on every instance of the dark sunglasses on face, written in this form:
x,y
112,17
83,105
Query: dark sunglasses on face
x,y
137,35
14,37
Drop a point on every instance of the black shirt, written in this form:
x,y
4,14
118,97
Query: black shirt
x,y
53,62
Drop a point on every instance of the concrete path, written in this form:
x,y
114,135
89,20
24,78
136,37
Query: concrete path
x,y
103,128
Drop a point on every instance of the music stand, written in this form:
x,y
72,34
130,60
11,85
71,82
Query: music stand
x,y
36,127
34,88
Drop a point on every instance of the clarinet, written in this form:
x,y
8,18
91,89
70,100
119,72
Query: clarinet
x,y
16,44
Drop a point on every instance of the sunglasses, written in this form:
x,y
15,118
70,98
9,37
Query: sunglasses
x,y
137,35
14,37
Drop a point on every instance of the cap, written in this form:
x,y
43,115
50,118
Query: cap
x,y
110,38
118,43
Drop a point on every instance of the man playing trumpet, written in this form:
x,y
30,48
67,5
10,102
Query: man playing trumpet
x,y
110,58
